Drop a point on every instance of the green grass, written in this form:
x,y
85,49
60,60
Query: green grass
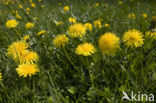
x,y
58,80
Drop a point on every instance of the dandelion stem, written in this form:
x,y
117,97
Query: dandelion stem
x,y
69,58
90,74
17,33
5,92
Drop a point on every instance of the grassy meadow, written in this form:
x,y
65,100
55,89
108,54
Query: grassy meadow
x,y
76,51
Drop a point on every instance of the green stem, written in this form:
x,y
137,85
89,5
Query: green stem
x,y
90,74
17,33
5,92
69,58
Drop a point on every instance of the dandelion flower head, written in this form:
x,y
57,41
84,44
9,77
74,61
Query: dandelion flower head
x,y
72,20
88,26
27,70
133,38
85,49
29,57
16,49
29,25
60,40
98,24
77,30
109,43
66,8
150,34
41,32
0,76
11,23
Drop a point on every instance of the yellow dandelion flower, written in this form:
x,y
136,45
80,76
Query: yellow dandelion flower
x,y
30,1
18,16
97,24
77,30
39,0
131,16
96,5
109,43
11,23
66,8
150,34
27,70
28,9
16,49
85,49
20,6
29,57
1,76
26,37
59,3
42,6
133,38
144,15
41,32
59,23
120,2
72,20
27,13
33,5
107,25
88,26
60,40
6,3
29,25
